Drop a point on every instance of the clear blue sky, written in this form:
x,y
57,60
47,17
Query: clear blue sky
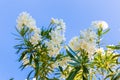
x,y
77,14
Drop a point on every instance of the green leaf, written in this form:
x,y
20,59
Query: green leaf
x,y
73,74
37,68
23,66
76,60
70,54
116,76
110,70
16,34
73,52
18,50
108,76
36,72
23,55
85,70
74,64
61,69
116,56
105,32
24,31
84,77
114,47
99,32
19,46
31,57
30,74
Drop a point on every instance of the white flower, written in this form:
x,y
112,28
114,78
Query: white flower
x,y
100,50
63,63
83,44
60,24
86,41
25,19
109,50
57,37
54,45
54,21
88,47
100,24
53,48
75,43
54,65
88,35
35,39
25,60
37,30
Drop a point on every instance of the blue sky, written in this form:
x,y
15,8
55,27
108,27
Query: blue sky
x,y
78,15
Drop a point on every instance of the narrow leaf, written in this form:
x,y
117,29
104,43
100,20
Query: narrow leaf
x,y
29,74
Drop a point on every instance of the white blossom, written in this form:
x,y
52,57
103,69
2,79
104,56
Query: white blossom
x,y
100,24
89,47
63,63
25,60
109,50
100,50
37,30
24,19
59,23
54,65
88,35
75,43
54,45
86,41
54,21
35,39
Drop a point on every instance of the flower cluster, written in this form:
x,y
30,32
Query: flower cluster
x,y
26,21
86,41
100,50
59,22
43,50
64,62
100,24
25,60
40,45
57,37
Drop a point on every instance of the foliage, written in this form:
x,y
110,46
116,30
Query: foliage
x,y
44,50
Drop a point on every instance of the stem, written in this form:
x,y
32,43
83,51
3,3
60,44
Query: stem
x,y
98,42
